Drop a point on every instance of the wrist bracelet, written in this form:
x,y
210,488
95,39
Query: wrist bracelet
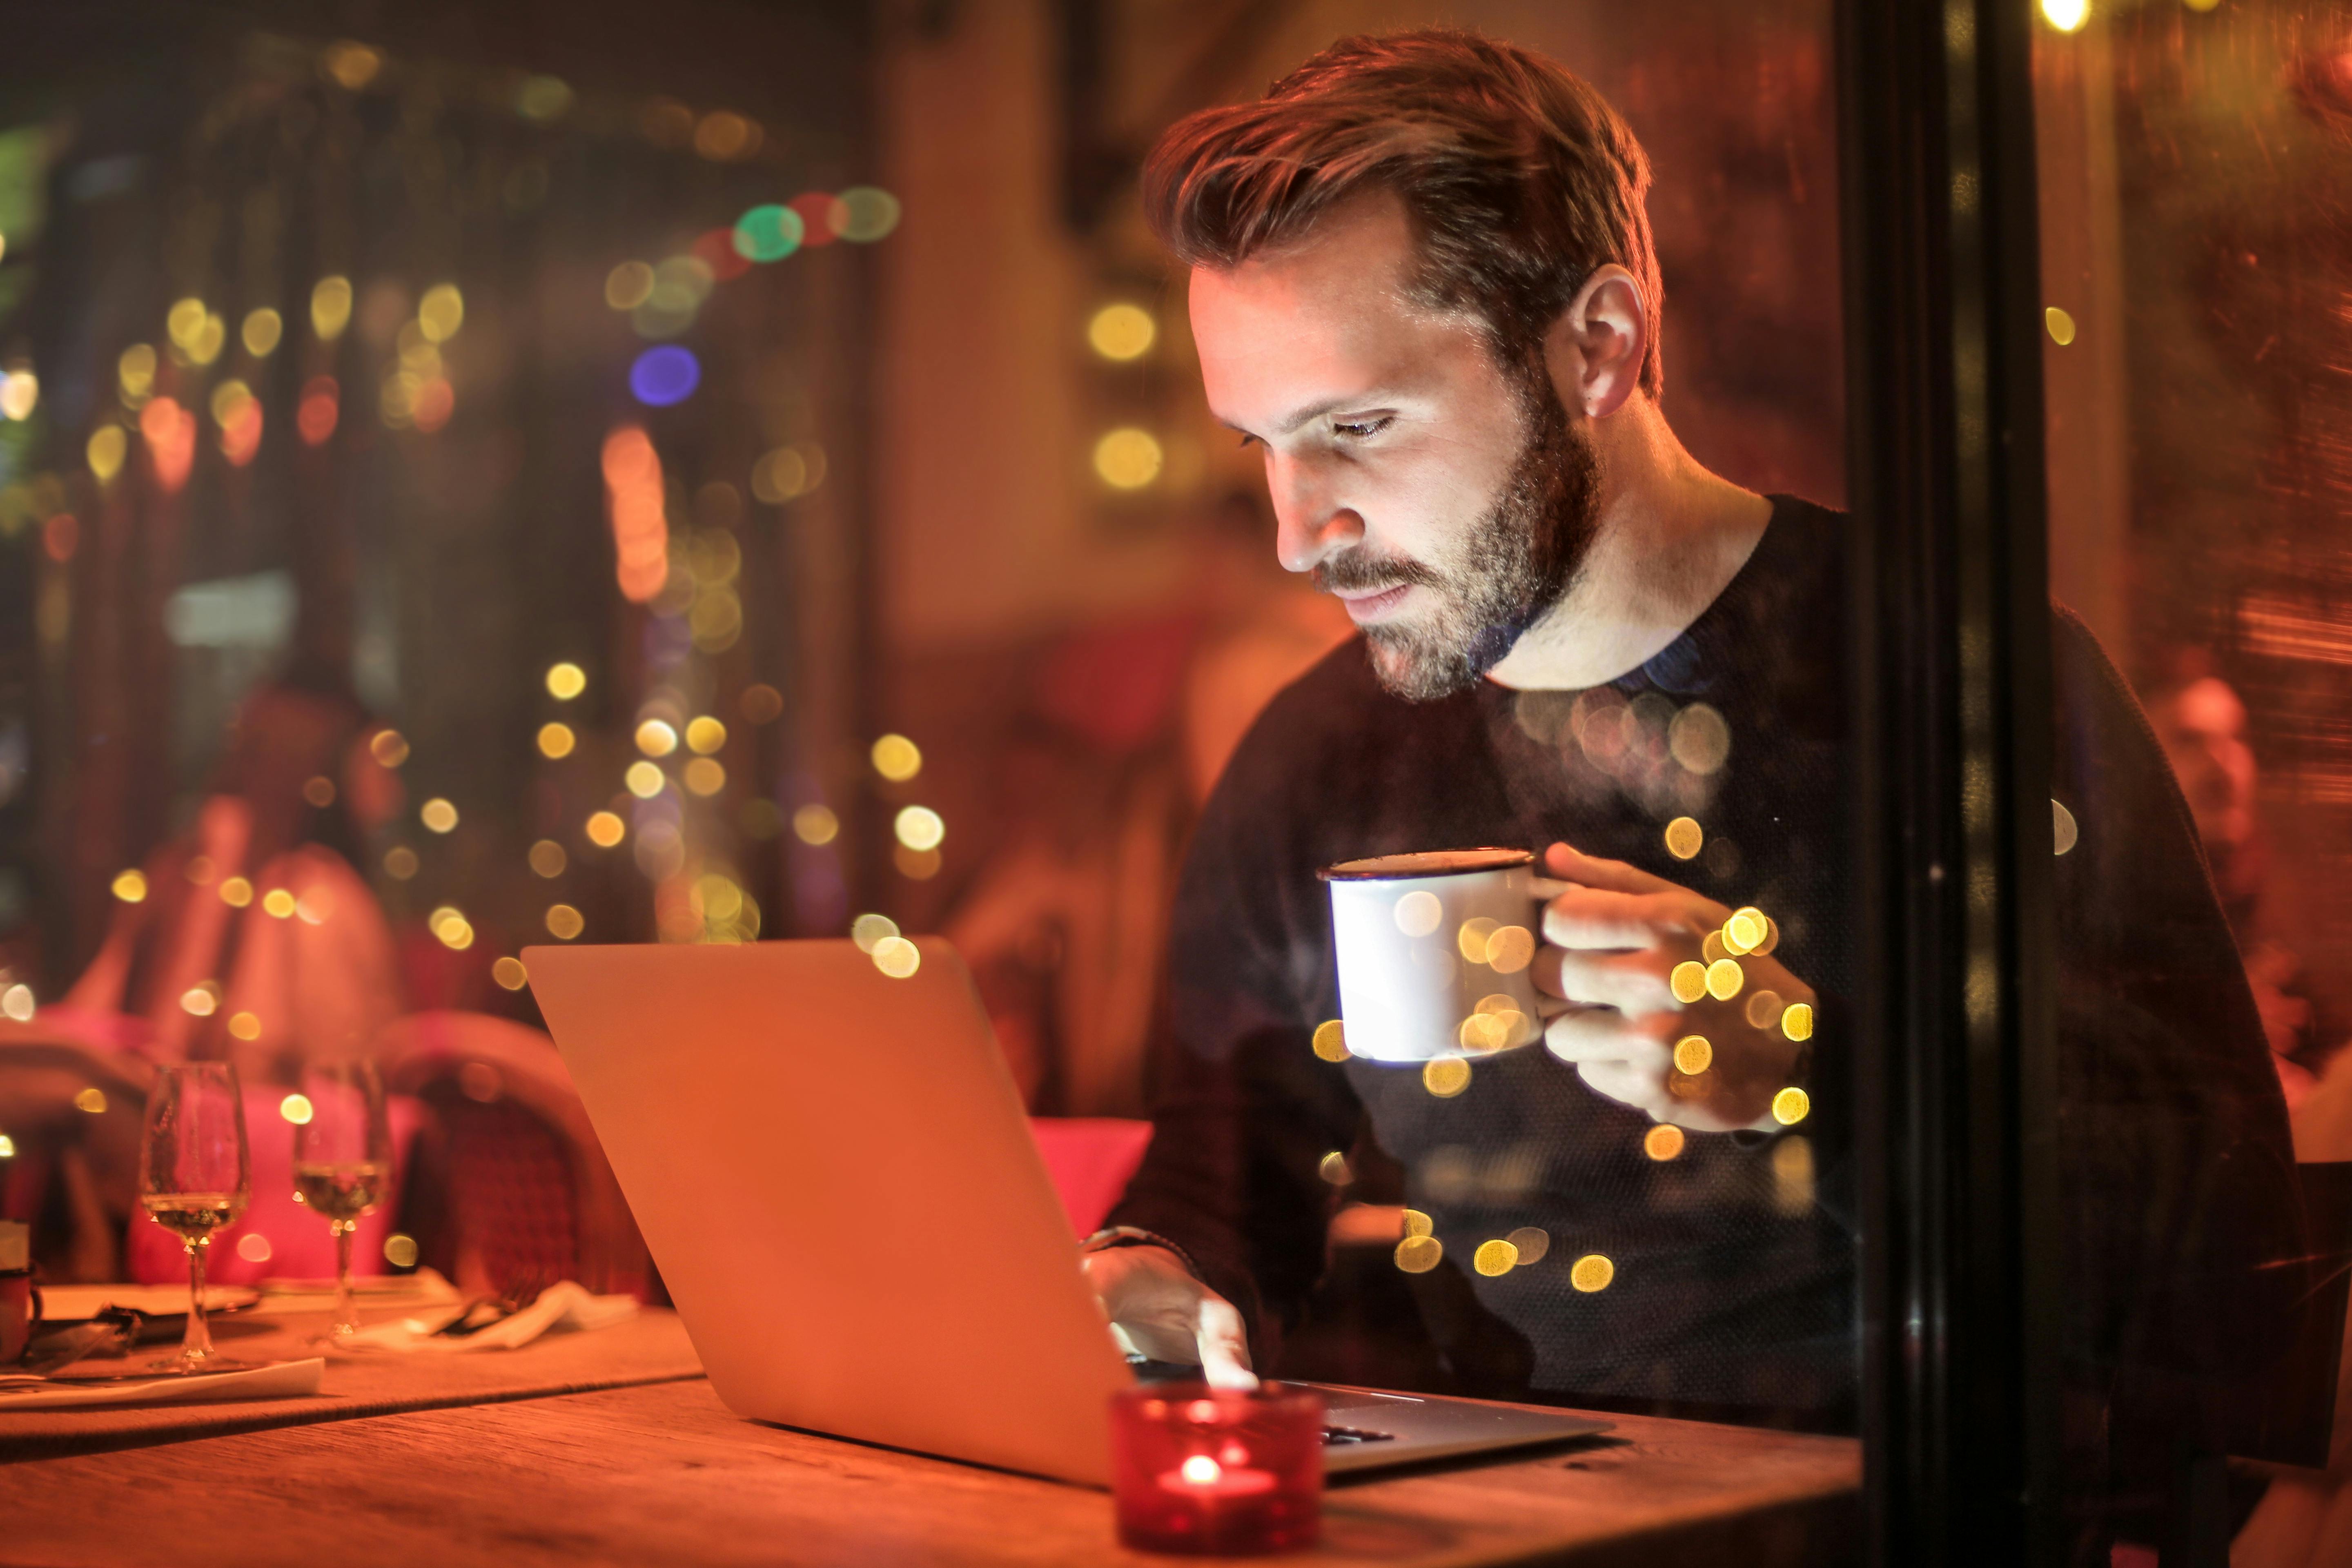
x,y
1111,1237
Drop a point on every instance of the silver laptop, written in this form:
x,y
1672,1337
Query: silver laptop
x,y
836,1175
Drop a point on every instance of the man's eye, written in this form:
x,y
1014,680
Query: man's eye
x,y
1360,430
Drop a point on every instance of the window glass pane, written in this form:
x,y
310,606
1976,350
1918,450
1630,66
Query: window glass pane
x,y
2195,272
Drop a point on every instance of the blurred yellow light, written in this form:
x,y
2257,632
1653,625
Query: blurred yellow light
x,y
210,339
781,474
136,371
815,824
261,331
919,865
1510,949
228,401
1419,1254
330,307
1662,1143
20,390
1797,1023
400,862
1446,1077
1684,837
244,1026
1790,1106
389,747
896,957
1711,948
352,65
197,1001
547,857
656,739
564,921
643,780
1688,981
1122,331
1333,1168
605,829
7,1147
919,827
721,135
2061,326
1591,1272
1331,1040
868,931
1127,458
236,892
2066,15
91,1100
1743,931
297,1109
566,681
437,815
1417,1223
704,775
1724,979
130,887
318,790
1494,1258
1693,1055
278,904
897,758
511,973
186,322
1762,1009
628,286
107,448
706,735
16,1004
456,935
1473,938
441,312
556,739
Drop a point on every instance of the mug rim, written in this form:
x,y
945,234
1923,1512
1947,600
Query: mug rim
x,y
1389,867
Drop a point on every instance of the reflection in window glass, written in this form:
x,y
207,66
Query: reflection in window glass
x,y
2195,268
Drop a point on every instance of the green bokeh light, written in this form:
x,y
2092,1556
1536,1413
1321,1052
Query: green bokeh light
x,y
769,233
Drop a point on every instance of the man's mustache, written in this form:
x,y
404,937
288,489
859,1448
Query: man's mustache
x,y
1356,572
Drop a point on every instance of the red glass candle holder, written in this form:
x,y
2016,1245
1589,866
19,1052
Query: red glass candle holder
x,y
1206,1470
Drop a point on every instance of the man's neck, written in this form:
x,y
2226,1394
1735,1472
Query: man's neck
x,y
1669,538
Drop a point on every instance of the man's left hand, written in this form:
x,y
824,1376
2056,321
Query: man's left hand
x,y
1612,940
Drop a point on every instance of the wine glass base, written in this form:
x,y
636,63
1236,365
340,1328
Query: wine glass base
x,y
187,1366
342,1338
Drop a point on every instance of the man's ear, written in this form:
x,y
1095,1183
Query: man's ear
x,y
1594,351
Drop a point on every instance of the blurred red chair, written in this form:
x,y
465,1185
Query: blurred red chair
x,y
529,1195
1091,1160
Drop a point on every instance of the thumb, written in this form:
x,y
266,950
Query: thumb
x,y
1224,1345
1570,864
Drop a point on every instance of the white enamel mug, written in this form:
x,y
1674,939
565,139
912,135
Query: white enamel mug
x,y
1433,951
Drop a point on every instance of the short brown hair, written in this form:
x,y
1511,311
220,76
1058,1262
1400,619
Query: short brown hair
x,y
1518,179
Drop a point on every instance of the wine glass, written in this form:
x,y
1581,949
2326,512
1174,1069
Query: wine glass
x,y
343,1163
195,1176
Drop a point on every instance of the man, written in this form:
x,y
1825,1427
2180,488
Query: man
x,y
1423,287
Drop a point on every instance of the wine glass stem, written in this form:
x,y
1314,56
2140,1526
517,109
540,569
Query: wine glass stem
x,y
346,1316
198,1343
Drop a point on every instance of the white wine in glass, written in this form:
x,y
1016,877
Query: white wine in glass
x,y
342,1165
195,1176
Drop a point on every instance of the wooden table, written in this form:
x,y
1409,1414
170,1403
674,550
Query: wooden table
x,y
660,1473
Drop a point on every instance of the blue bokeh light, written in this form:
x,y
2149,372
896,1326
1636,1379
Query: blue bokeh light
x,y
664,375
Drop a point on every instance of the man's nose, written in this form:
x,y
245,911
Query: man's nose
x,y
1309,523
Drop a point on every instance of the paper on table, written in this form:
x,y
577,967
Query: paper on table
x,y
278,1379
564,1306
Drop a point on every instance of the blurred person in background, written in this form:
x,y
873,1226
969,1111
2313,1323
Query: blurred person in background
x,y
255,941
2202,723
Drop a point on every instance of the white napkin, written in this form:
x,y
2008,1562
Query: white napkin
x,y
565,1305
277,1380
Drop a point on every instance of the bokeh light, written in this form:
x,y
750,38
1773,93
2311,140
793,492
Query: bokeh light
x,y
261,331
1127,458
2066,15
1122,331
511,973
388,747
1418,1254
705,776
628,286
722,136
705,735
822,216
1331,1040
236,892
1417,913
2060,324
136,372
665,374
171,434
278,904
606,828
897,758
761,704
768,233
1693,1055
441,312
867,931
400,862
1446,1077
547,857
297,1109
642,780
896,957
244,1026
106,449
20,390
543,98
330,308
656,738
566,681
867,213
351,66
815,824
91,1100
437,815
1591,1272
633,484
564,922
1494,1258
556,739
919,827
321,405
1662,1143
1684,837
1792,1106
131,886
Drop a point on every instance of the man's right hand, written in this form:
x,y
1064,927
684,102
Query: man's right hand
x,y
1170,1316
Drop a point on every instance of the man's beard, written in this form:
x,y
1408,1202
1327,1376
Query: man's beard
x,y
1515,564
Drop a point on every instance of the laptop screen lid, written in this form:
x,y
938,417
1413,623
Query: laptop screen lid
x,y
834,1173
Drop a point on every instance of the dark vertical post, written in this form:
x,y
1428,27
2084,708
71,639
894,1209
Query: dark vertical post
x,y
1955,1073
